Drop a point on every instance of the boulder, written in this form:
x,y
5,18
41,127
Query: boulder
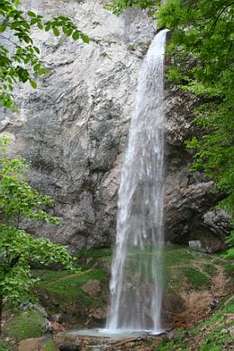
x,y
92,288
37,344
68,342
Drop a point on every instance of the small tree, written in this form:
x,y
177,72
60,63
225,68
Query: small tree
x,y
18,249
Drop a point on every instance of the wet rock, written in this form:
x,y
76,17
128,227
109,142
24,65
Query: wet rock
x,y
67,342
30,344
92,288
69,348
98,313
37,344
56,327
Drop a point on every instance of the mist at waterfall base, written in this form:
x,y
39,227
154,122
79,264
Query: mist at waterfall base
x,y
136,285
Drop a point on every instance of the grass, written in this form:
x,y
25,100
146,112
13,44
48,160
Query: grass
x,y
185,267
176,255
63,291
65,284
27,324
196,279
209,268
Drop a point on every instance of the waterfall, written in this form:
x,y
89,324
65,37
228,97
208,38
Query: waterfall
x,y
136,285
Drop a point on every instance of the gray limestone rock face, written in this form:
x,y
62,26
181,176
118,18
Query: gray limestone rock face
x,y
73,129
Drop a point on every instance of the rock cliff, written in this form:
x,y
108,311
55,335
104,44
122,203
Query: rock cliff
x,y
73,130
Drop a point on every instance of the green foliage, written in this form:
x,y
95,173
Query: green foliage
x,y
201,48
230,241
19,57
25,325
4,346
118,6
18,249
17,198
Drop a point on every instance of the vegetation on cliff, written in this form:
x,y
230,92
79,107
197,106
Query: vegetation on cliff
x,y
18,249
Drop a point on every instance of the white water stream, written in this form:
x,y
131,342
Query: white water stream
x,y
137,270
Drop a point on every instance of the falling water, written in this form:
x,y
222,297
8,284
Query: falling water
x,y
136,284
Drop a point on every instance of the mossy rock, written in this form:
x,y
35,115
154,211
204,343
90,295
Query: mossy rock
x,y
33,344
67,287
64,293
25,325
185,268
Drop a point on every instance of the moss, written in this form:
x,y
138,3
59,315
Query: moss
x,y
229,306
64,291
94,257
95,253
176,255
49,346
229,269
68,285
209,268
196,278
184,266
27,324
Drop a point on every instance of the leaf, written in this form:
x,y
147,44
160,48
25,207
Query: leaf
x,y
56,31
32,14
76,35
47,27
85,38
2,28
33,84
36,49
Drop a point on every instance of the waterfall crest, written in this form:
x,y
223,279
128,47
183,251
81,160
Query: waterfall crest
x,y
136,284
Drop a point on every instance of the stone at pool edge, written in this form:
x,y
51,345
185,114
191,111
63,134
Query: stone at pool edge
x,y
66,342
39,344
70,341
